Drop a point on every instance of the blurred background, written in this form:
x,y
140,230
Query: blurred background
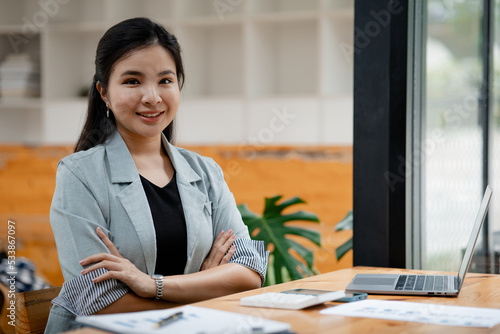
x,y
268,95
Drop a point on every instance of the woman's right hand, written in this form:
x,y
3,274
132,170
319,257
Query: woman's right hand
x,y
119,268
221,251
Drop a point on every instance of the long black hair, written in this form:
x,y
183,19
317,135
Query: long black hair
x,y
118,42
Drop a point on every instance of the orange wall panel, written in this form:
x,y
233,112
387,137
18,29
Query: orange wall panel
x,y
322,176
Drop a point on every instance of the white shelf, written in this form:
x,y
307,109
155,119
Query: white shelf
x,y
206,9
284,58
283,6
339,5
215,114
285,17
21,126
337,56
202,22
73,71
118,10
342,14
211,72
17,103
17,44
74,12
242,59
20,12
77,28
279,120
11,29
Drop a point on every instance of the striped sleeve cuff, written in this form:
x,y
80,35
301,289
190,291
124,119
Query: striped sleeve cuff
x,y
82,297
251,254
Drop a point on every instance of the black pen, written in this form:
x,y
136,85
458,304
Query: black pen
x,y
168,320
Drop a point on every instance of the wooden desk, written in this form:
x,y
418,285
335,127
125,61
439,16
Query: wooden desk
x,y
479,290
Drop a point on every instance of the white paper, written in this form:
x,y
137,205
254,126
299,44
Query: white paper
x,y
419,312
195,320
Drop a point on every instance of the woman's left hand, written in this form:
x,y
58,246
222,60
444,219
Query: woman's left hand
x,y
119,268
221,251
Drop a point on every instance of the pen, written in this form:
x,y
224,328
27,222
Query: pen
x,y
168,320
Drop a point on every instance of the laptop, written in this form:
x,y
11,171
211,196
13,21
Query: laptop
x,y
428,285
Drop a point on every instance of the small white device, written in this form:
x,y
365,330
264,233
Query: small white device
x,y
295,299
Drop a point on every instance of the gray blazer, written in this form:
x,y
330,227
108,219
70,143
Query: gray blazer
x,y
101,187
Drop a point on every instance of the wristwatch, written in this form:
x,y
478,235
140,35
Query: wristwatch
x,y
159,285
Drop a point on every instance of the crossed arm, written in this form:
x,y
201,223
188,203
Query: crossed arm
x,y
216,278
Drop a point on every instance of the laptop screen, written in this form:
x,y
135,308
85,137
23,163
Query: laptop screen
x,y
473,236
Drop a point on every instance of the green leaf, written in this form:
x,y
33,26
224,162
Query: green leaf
x,y
305,253
245,212
286,268
270,276
346,223
312,235
343,249
272,229
299,215
273,209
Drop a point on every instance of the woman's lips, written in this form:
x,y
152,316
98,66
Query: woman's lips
x,y
150,116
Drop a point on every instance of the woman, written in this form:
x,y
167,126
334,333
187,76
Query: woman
x,y
138,221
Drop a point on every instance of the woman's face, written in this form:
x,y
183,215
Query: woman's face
x,y
143,92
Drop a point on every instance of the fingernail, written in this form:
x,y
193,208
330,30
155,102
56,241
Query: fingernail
x,y
82,261
83,272
233,237
99,229
230,231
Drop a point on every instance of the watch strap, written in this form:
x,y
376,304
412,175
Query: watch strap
x,y
159,285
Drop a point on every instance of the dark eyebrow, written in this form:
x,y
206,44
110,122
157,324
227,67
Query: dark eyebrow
x,y
137,73
166,73
133,73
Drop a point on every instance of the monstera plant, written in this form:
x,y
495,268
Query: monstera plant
x,y
344,224
272,229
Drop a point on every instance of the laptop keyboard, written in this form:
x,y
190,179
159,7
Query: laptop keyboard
x,y
422,282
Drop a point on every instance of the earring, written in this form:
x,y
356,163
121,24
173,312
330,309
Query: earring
x,y
107,111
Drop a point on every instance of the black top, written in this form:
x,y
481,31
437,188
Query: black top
x,y
170,227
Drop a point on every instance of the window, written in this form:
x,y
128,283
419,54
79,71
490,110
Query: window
x,y
457,146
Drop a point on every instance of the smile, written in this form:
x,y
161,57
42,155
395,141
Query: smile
x,y
149,114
